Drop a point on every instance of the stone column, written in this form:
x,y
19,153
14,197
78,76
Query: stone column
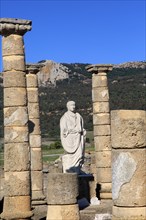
x,y
128,138
62,192
37,195
101,128
16,149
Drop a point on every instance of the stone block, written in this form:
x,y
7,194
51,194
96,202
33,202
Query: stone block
x,y
37,195
16,157
62,188
17,207
15,116
14,97
14,79
128,128
36,159
100,94
37,180
14,62
34,126
17,183
31,80
102,130
35,140
106,195
103,158
106,188
128,213
99,81
13,45
102,143
101,107
63,212
128,186
33,110
32,95
104,175
16,134
101,119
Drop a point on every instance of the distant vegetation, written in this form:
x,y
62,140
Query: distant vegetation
x,y
127,89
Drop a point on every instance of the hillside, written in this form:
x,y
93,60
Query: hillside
x,y
127,89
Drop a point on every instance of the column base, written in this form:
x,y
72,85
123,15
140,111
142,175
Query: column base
x,y
128,213
61,212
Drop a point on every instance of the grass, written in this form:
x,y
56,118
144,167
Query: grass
x,y
50,155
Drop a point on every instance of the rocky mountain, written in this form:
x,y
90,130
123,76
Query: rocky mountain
x,y
53,72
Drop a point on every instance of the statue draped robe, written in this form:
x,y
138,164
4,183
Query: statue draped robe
x,y
72,135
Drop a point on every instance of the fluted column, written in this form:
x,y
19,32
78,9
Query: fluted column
x,y
16,149
37,195
101,127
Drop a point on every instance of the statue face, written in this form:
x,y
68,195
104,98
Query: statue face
x,y
71,107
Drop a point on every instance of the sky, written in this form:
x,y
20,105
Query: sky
x,y
81,31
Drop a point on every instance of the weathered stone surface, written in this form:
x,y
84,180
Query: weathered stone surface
x,y
102,143
14,97
37,180
102,130
32,95
106,188
14,79
104,175
128,128
62,188
99,81
129,185
16,157
100,94
14,63
33,110
14,26
63,212
15,116
35,140
32,81
36,159
19,183
103,158
16,134
128,213
17,207
101,107
37,195
12,45
101,119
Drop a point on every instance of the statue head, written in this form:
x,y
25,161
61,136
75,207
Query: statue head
x,y
71,106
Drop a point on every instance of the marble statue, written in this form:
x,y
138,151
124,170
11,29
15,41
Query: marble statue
x,y
73,137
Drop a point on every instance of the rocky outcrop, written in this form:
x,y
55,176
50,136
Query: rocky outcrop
x,y
51,72
141,65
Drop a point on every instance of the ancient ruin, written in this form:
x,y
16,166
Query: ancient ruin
x,y
118,175
16,144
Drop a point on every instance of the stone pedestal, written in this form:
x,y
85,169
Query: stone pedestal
x,y
101,128
128,129
37,195
62,192
16,148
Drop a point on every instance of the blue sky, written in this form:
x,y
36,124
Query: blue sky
x,y
82,31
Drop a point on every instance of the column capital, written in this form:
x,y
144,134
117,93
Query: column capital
x,y
33,68
98,68
14,26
